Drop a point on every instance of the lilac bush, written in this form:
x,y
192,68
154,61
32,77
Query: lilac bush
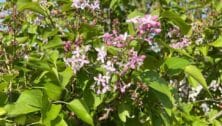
x,y
110,62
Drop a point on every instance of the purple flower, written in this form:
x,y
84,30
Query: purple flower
x,y
109,66
181,44
78,59
67,46
95,5
102,84
135,60
115,40
80,4
146,25
124,87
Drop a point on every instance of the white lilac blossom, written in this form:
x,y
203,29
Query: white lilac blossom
x,y
101,56
205,107
174,32
214,85
147,24
181,44
101,84
78,59
115,40
82,4
155,47
109,66
95,5
193,93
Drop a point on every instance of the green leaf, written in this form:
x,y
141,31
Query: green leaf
x,y
217,43
20,120
176,63
194,72
32,29
91,99
33,6
66,75
192,81
50,33
2,111
123,112
113,50
113,3
29,101
59,122
38,79
160,89
80,108
55,42
22,39
3,86
54,55
177,20
53,91
52,114
135,13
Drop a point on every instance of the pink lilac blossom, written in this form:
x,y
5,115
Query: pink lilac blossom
x,y
78,59
124,87
135,60
102,84
101,56
115,40
67,46
181,44
147,24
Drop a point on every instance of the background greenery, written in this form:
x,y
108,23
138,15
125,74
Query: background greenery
x,y
37,88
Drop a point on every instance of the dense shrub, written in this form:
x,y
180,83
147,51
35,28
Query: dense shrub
x,y
111,62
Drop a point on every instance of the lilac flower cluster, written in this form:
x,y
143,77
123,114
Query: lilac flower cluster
x,y
124,87
115,40
82,4
181,44
135,60
174,32
109,67
78,59
147,26
102,84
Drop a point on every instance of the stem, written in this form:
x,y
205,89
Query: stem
x,y
60,102
9,72
209,100
51,21
216,116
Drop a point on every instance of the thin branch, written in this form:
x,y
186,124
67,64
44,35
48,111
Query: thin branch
x,y
216,116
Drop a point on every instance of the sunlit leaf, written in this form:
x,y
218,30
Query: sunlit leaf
x,y
80,108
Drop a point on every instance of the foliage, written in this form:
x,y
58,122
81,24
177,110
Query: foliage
x,y
111,62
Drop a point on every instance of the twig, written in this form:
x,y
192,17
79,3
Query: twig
x,y
216,116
